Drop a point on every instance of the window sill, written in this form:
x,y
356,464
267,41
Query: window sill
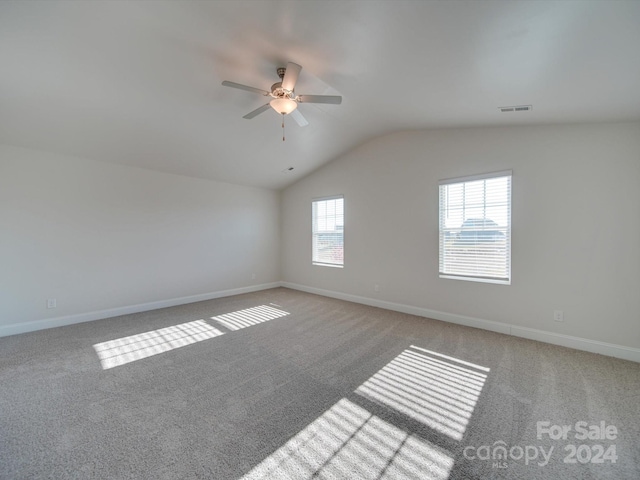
x,y
476,279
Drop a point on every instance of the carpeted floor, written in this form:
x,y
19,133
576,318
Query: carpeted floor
x,y
282,384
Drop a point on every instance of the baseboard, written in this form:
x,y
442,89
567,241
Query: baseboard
x,y
609,349
17,328
594,346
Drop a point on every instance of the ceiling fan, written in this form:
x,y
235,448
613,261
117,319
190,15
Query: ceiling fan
x,y
283,99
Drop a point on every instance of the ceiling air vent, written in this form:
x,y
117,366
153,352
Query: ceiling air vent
x,y
518,108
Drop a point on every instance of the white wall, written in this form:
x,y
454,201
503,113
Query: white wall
x,y
576,225
98,236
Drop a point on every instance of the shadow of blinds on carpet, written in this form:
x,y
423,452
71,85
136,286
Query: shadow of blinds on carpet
x,y
348,441
437,390
125,350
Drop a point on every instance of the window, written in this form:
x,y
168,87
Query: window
x,y
475,228
328,231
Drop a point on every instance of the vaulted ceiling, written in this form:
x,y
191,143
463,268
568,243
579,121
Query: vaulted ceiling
x,y
139,82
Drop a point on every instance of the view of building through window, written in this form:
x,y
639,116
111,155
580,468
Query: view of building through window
x,y
328,231
475,228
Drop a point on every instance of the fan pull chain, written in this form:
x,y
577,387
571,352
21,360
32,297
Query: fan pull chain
x,y
283,127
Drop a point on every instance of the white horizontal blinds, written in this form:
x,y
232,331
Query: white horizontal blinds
x,y
328,231
475,227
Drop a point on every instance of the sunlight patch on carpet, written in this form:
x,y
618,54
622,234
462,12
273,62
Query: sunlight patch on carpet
x,y
347,441
250,316
135,347
143,345
434,389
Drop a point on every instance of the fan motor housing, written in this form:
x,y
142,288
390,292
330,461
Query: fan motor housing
x,y
278,92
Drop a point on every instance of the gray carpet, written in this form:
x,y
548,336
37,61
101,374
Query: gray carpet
x,y
282,384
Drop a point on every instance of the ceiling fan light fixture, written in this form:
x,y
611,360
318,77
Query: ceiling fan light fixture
x,y
283,105
282,96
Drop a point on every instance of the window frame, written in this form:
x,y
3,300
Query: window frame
x,y
508,229
314,232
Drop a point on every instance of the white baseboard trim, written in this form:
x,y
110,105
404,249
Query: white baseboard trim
x,y
17,328
579,343
594,346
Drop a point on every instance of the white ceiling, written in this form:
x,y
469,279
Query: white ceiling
x,y
139,82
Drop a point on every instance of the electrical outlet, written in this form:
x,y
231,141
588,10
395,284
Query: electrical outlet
x,y
51,303
253,276
376,288
558,315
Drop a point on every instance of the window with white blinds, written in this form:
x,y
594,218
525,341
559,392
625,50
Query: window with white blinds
x,y
328,231
475,228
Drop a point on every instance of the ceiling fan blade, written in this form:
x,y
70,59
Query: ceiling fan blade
x,y
257,111
332,99
244,87
291,76
299,118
